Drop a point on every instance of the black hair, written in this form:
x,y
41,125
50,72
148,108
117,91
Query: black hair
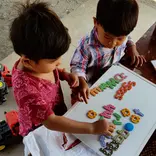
x,y
38,33
117,17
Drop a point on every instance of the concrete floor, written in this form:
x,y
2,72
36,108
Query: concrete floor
x,y
9,9
79,23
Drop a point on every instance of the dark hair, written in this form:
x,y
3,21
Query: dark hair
x,y
117,17
38,33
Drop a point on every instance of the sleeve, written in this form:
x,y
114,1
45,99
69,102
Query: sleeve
x,y
79,61
37,108
41,110
130,42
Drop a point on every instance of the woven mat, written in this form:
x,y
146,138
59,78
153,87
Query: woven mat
x,y
150,148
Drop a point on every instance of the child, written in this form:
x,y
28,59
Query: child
x,y
40,38
106,44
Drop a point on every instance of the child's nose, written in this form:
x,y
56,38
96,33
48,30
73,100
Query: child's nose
x,y
114,43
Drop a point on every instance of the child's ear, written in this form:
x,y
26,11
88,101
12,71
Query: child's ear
x,y
95,22
27,63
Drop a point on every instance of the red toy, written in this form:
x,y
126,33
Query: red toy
x,y
5,73
12,120
9,131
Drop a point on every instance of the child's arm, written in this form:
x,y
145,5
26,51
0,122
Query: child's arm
x,y
72,79
83,90
79,64
131,51
63,124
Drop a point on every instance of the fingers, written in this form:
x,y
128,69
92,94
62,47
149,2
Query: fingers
x,y
87,93
142,60
138,60
79,97
112,125
111,129
85,96
108,133
133,60
75,83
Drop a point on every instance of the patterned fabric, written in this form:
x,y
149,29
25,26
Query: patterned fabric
x,y
91,57
36,98
150,148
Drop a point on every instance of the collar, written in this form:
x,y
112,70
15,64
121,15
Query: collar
x,y
93,39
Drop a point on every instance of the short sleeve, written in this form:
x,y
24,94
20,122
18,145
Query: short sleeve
x,y
79,61
33,110
130,42
40,109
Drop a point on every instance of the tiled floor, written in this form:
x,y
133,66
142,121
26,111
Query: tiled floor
x,y
79,23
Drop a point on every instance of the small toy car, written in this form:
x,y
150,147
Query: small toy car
x,y
5,73
12,120
5,134
3,90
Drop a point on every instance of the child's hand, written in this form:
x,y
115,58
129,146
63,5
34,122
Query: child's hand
x,y
103,127
73,80
83,93
136,59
